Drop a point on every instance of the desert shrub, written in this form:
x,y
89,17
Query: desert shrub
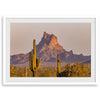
x,y
75,70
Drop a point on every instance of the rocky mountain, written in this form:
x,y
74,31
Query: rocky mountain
x,y
47,50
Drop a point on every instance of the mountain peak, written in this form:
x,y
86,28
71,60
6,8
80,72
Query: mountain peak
x,y
50,40
46,35
49,36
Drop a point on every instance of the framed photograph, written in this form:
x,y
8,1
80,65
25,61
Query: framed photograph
x,y
49,51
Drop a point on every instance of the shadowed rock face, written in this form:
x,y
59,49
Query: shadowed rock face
x,y
47,50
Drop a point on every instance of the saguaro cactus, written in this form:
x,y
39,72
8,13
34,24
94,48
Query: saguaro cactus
x,y
58,65
25,71
69,69
11,71
34,63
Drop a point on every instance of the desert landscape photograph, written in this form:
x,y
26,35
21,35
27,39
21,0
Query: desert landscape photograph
x,y
50,50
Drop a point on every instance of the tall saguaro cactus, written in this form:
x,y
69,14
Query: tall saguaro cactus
x,y
34,63
58,65
25,71
11,71
69,69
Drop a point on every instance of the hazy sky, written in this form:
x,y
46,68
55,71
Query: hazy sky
x,y
72,36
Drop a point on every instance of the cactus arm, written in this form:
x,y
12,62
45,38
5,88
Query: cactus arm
x,y
36,61
39,64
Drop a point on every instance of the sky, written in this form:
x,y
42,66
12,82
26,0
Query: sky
x,y
72,36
